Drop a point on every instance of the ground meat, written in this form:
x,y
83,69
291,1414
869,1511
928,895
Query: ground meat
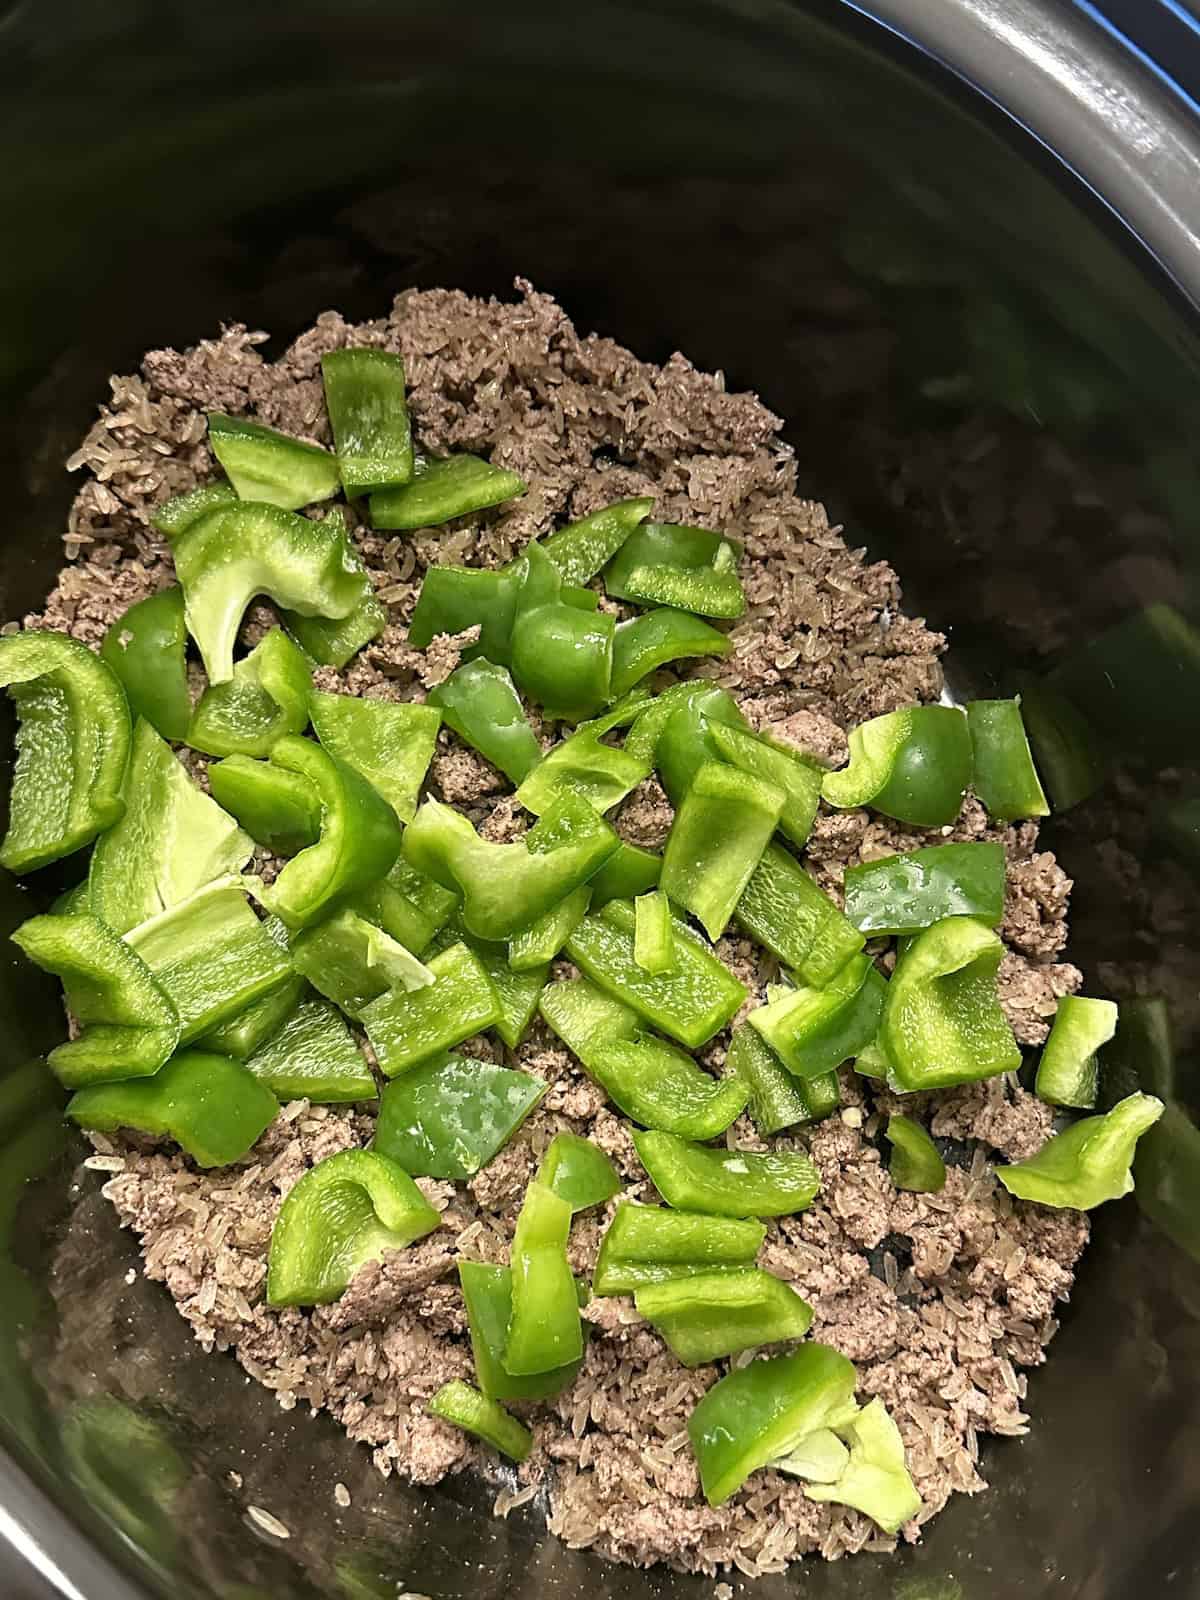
x,y
444,653
645,816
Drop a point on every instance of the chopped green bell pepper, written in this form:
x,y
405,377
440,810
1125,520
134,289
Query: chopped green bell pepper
x,y
875,1480
796,775
1071,757
480,703
442,489
644,644
330,642
821,1457
723,825
536,946
408,1028
313,1057
685,742
177,515
466,1408
544,1329
352,962
266,698
813,1031
389,745
913,765
782,908
72,747
271,467
1005,778
599,772
453,599
646,731
516,992
916,1163
905,893
1089,1162
584,1017
146,647
727,1183
777,1099
653,934
347,1210
487,1293
648,1244
578,1171
278,809
407,905
719,1313
364,395
660,1087
1067,1074
690,569
628,872
242,1036
561,654
448,1118
581,549
211,1106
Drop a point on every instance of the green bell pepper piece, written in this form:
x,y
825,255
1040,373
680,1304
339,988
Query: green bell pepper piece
x,y
266,698
453,599
684,742
1071,757
723,825
599,772
760,1412
352,962
536,946
407,1028
466,1408
271,467
644,644
690,569
389,745
129,1024
448,1118
177,515
821,1457
916,1163
359,842
1067,1074
242,1036
347,1210
407,905
516,992
653,935
236,552
278,809
581,549
72,747
585,1018
914,765
727,1183
628,872
506,887
782,908
561,655
146,648
544,1330
1005,778
813,1031
777,1099
330,642
172,840
942,1023
719,1313
692,1002
648,1244
211,1106
441,489
905,893
480,703
364,395
875,1480
660,1087
487,1294
313,1057
797,776
646,731
578,1171
1089,1162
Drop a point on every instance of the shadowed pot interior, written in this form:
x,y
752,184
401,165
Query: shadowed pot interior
x,y
988,377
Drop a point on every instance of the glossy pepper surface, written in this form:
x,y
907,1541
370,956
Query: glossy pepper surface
x,y
578,1171
333,642
453,599
720,1313
466,1408
544,1330
1005,778
903,894
277,808
599,772
777,1098
250,1029
364,395
1089,1162
782,908
516,992
266,698
389,745
479,701
448,1118
643,644
723,825
584,1017
649,1244
536,946
442,488
582,548
561,654
1068,1072
796,775
813,1031
271,467
659,1086
177,515
487,1295
146,648
407,905
653,932
691,569
313,1057
875,1479
727,1183
683,743
916,1163
352,962
628,872
407,1028
913,765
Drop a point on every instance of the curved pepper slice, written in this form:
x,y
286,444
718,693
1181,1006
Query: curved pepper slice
x,y
798,776
389,745
449,1118
250,1030
584,1017
544,1330
784,909
407,905
723,825
330,642
717,1314
146,647
581,549
599,772
407,1028
916,1163
646,731
360,836
313,1057
660,1087
1005,778
561,655
691,569
238,551
480,702
905,893
442,488
813,1031
344,1212
72,747
487,1294
129,1025
364,395
942,1023
653,934
628,872
644,644
875,1479
266,465
266,698
211,1106
777,1099
536,946
649,1244
1067,1073
1089,1162
913,765
177,515
466,1408
727,1183
684,742
278,809
578,1171
352,962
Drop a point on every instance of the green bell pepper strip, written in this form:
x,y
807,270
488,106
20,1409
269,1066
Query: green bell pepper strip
x,y
905,893
242,1036
585,1018
407,905
359,842
690,569
661,1087
313,1057
487,1294
875,1480
129,1025
1067,1074
643,737
544,1330
506,887
760,1412
684,743
822,1095
653,935
466,1408
330,642
347,1210
942,1023
352,962
782,908
649,1244
271,467
692,1002
480,703
796,775
813,1031
364,395
146,648
914,765
266,698
536,946
448,1118
516,992
232,554
644,644
723,825
727,1183
821,1457
1005,778
628,872
442,488
578,1171
777,1099
212,956
177,515
389,745
1089,1162
561,655
211,1106
171,840
581,549
602,774
278,809
72,747
915,1164
453,599
720,1313
407,1028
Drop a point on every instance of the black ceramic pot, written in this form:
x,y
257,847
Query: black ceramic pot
x,y
953,241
